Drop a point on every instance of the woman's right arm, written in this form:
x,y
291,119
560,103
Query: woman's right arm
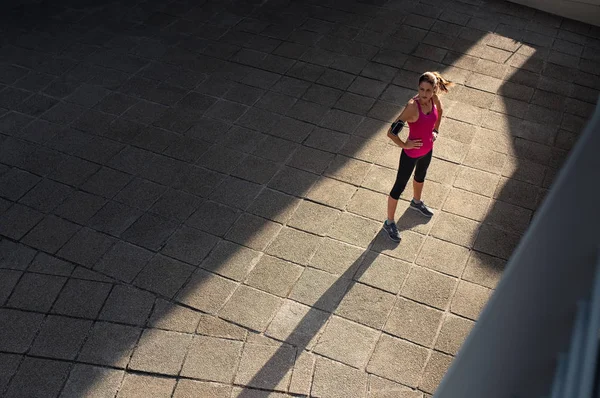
x,y
409,114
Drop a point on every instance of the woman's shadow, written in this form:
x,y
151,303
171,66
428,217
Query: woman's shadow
x,y
309,327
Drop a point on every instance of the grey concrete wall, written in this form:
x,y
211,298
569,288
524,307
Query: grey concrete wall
x,y
512,349
587,11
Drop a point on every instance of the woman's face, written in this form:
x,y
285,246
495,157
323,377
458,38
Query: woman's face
x,y
425,91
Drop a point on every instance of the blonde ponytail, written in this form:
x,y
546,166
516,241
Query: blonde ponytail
x,y
442,84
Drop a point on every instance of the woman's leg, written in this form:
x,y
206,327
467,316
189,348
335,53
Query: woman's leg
x,y
421,167
405,169
418,182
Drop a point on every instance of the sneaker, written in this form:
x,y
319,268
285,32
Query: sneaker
x,y
421,207
392,231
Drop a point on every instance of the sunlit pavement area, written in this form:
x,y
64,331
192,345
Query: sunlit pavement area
x,y
192,193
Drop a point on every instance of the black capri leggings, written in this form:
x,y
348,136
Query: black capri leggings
x,y
405,169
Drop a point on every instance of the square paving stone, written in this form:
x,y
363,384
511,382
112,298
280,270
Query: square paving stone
x,y
484,269
470,299
206,291
292,129
81,298
293,181
123,261
497,242
274,205
221,159
236,193
216,327
256,169
231,260
16,183
191,388
366,305
307,111
382,272
213,217
18,220
428,287
266,366
50,234
115,103
517,193
398,360
242,139
36,292
406,250
140,193
15,255
38,378
160,351
274,275
8,280
109,344
251,308
383,388
354,230
138,385
335,380
46,195
434,371
477,181
331,192
443,256
485,159
73,171
320,289
340,120
105,382
453,334
114,218
8,367
164,275
189,245
509,217
337,258
252,231
368,204
378,179
348,170
297,324
293,245
60,337
455,229
414,322
314,218
176,318
86,247
80,207
311,159
126,304
150,231
323,95
18,329
275,149
106,182
467,204
213,359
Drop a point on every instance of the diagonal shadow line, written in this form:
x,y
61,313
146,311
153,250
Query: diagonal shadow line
x,y
276,368
311,324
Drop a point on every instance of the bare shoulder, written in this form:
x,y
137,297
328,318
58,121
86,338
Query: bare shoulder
x,y
411,106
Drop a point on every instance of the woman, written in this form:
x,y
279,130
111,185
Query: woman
x,y
423,114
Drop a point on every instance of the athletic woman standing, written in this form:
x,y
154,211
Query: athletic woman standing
x,y
423,113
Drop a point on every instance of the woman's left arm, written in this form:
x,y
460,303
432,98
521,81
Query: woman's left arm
x,y
440,109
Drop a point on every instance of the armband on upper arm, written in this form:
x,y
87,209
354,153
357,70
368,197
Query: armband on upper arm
x,y
397,127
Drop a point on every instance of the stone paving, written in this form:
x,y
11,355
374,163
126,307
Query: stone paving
x,y
191,193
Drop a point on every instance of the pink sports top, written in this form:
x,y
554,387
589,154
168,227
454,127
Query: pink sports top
x,y
422,129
